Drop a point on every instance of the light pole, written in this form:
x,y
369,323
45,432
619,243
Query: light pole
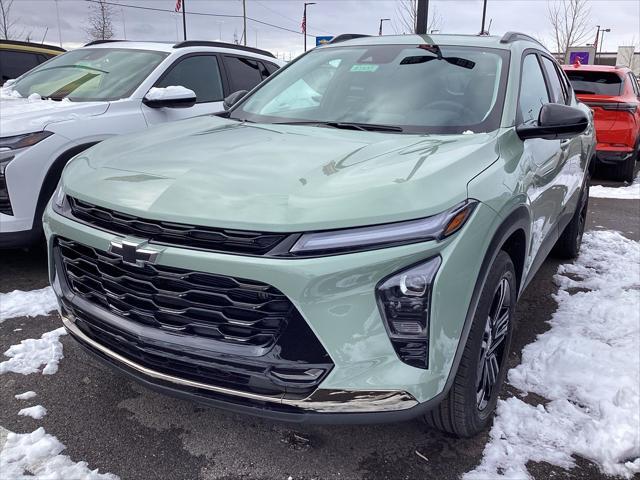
x,y
484,16
382,20
422,17
602,30
304,23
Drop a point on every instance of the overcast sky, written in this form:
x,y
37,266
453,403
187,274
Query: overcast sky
x,y
327,17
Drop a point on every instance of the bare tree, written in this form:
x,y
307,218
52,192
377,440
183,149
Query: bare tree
x,y
8,29
100,20
407,11
570,23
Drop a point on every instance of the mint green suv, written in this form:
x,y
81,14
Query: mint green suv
x,y
346,243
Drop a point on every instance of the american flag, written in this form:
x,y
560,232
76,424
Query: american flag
x,y
304,22
178,5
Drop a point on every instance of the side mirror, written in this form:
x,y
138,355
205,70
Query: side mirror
x,y
555,122
170,97
233,98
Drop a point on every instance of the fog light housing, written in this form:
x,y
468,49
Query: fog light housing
x,y
404,300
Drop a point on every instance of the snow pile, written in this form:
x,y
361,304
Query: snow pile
x,y
30,354
630,192
587,365
26,395
27,304
36,412
38,453
169,92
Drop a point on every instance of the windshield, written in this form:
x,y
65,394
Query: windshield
x,y
595,83
90,74
413,89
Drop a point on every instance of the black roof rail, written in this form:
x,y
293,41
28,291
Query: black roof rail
x,y
207,43
347,36
98,42
33,44
513,36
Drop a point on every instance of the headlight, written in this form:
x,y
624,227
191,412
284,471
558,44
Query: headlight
x,y
58,195
22,141
404,300
436,227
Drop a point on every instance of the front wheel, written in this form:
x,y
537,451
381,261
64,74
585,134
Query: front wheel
x,y
468,407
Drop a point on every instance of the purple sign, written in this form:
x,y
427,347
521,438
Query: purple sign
x,y
582,56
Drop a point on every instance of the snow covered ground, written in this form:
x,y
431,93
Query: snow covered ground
x,y
27,304
36,456
587,366
629,192
31,354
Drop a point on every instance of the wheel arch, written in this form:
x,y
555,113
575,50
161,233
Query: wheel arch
x,y
512,236
51,180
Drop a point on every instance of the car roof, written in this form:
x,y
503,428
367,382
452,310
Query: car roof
x,y
30,47
597,68
187,47
505,42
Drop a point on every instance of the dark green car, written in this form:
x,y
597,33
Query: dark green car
x,y
347,243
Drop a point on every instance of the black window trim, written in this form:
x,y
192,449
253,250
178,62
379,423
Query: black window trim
x,y
225,87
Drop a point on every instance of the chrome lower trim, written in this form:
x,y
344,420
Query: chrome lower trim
x,y
322,400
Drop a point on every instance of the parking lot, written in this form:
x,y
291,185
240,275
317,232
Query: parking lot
x,y
120,427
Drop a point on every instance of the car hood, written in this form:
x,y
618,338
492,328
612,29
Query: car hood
x,y
26,115
221,173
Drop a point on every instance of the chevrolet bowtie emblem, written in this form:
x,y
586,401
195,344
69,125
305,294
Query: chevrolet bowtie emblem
x,y
132,251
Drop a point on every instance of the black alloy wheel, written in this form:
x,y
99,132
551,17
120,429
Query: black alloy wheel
x,y
492,349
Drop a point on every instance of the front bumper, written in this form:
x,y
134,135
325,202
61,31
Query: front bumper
x,y
336,297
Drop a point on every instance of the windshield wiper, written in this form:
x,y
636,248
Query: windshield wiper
x,y
84,67
370,127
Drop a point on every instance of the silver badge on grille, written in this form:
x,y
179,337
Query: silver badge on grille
x,y
133,251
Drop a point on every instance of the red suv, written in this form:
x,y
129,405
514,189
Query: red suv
x,y
613,93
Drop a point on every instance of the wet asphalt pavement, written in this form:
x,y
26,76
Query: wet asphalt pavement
x,y
120,427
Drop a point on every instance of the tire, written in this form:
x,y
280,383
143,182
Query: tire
x,y
468,407
568,245
624,170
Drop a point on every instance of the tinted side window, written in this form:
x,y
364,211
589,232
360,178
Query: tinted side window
x,y
199,73
634,84
554,81
14,64
244,73
271,67
533,90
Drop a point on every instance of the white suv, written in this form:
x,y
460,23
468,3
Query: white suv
x,y
78,99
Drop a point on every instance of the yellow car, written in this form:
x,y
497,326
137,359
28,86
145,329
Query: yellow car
x,y
17,57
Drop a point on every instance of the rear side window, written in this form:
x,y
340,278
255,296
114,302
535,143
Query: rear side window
x,y
555,85
199,73
271,68
13,64
244,73
533,90
595,83
634,84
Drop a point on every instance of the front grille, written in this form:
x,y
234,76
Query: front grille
x,y
157,231
223,308
215,329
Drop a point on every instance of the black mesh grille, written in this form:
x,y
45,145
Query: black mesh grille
x,y
215,329
214,306
223,240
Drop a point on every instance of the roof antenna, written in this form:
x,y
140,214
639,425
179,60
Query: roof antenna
x,y
489,27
